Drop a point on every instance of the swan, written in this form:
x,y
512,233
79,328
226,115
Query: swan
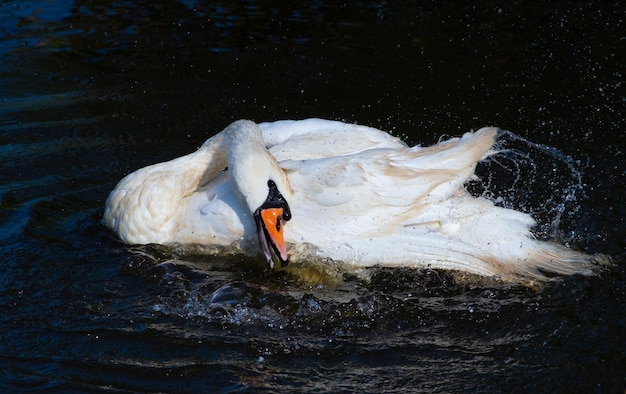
x,y
353,193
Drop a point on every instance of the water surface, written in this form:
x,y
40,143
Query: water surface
x,y
92,90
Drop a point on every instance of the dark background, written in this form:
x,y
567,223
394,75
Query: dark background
x,y
92,90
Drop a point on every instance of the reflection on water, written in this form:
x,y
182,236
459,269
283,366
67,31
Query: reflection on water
x,y
92,90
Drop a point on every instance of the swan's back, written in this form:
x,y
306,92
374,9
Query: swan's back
x,y
318,138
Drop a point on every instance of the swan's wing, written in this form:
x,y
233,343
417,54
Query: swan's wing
x,y
403,178
318,138
379,191
438,171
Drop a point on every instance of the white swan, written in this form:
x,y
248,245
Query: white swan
x,y
355,193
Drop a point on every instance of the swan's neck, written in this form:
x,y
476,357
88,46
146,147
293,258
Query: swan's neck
x,y
251,165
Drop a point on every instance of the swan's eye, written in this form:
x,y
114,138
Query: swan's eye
x,y
271,183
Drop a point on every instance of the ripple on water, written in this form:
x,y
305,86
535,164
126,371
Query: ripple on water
x,y
228,292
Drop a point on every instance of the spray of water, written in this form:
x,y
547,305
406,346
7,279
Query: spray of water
x,y
533,178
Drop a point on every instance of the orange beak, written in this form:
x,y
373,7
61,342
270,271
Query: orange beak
x,y
270,218
273,224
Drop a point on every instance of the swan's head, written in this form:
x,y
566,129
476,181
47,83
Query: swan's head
x,y
261,186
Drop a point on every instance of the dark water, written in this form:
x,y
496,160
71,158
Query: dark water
x,y
91,90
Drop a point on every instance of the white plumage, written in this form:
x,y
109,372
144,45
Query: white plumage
x,y
355,193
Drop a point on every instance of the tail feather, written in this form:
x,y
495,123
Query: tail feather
x,y
545,260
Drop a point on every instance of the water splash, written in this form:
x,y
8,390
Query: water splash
x,y
533,178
